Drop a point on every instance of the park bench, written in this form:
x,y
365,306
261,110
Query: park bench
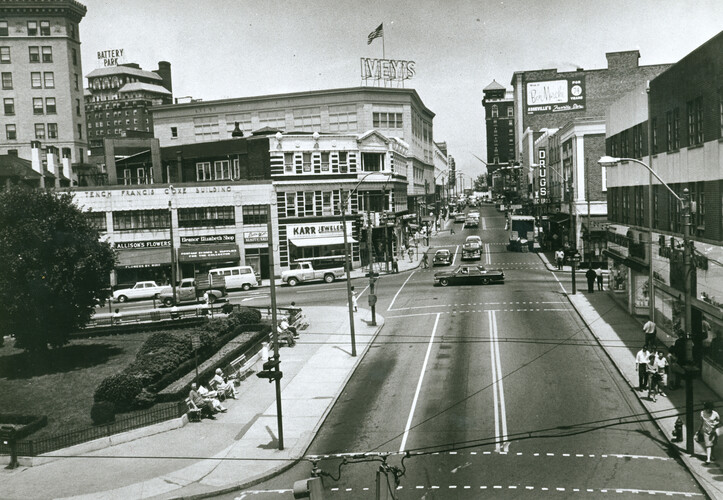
x,y
239,369
194,412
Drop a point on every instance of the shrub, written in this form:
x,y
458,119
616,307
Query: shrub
x,y
145,399
119,389
102,412
227,308
247,316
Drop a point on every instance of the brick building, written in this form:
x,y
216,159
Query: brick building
x,y
42,90
499,109
686,118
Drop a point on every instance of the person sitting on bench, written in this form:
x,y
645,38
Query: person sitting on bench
x,y
202,404
222,385
211,396
285,334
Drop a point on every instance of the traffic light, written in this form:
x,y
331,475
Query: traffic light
x,y
269,370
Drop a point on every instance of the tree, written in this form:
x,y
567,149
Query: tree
x,y
54,268
480,183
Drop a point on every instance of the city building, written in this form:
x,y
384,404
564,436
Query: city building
x,y
684,110
574,102
394,112
118,99
499,106
41,73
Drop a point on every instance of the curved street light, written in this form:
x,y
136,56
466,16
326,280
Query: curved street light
x,y
347,264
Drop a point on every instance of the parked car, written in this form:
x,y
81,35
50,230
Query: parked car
x,y
191,290
141,290
442,257
242,277
304,271
469,275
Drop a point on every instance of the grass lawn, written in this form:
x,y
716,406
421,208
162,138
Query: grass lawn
x,y
61,384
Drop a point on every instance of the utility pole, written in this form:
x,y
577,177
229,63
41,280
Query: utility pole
x,y
372,279
573,240
690,368
651,270
173,249
347,266
274,324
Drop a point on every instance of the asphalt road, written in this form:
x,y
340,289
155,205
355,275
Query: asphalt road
x,y
494,391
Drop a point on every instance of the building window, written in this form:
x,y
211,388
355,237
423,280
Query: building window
x,y
32,28
174,132
37,105
130,220
7,81
97,220
495,111
4,55
236,173
638,141
80,131
720,110
307,119
206,128
47,54
387,120
656,207
10,132
36,81
698,118
206,217
342,118
510,112
44,28
77,107
74,56
71,30
40,131
49,78
3,28
77,81
52,130
624,145
676,128
256,214
221,170
9,105
34,54
654,128
203,171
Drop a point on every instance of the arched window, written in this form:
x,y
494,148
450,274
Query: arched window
x,y
495,111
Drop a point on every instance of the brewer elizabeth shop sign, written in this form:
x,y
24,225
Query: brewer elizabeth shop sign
x,y
556,96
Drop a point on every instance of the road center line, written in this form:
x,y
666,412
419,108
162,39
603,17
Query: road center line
x,y
419,386
484,224
497,386
454,256
400,289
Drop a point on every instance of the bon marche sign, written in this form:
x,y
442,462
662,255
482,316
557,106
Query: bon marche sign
x,y
556,96
387,69
110,57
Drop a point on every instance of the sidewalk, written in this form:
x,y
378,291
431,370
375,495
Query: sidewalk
x,y
240,447
621,336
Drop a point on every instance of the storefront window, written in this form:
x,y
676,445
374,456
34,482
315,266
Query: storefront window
x,y
141,219
640,290
669,313
256,214
618,277
713,342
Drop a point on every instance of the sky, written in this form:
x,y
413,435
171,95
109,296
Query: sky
x,y
237,48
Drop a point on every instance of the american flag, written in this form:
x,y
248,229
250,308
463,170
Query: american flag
x,y
375,34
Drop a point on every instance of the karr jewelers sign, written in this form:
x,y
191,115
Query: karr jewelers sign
x,y
317,229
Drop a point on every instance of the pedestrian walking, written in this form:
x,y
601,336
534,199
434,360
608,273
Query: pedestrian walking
x,y
599,274
395,265
451,228
425,261
707,434
410,252
653,378
115,318
354,299
649,330
559,258
661,363
641,365
591,276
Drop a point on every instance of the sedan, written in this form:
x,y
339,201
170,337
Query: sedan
x,y
469,275
442,258
459,218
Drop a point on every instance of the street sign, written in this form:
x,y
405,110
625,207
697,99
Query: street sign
x,y
195,341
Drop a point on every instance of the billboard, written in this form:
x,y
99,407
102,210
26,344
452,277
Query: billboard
x,y
555,96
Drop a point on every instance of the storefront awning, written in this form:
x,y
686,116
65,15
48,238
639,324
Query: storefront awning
x,y
147,257
320,242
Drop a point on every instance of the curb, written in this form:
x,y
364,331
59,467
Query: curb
x,y
682,454
294,461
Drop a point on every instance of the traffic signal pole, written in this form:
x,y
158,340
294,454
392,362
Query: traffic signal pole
x,y
274,327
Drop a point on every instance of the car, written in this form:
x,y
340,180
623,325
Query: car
x,y
141,290
473,214
459,218
442,257
471,222
473,241
469,275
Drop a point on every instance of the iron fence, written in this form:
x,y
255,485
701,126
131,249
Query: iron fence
x,y
159,413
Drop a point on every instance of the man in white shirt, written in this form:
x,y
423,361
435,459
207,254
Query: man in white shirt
x,y
641,365
649,329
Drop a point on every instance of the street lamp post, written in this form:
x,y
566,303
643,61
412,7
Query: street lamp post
x,y
690,369
274,324
173,249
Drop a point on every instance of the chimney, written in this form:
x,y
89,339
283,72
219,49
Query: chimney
x,y
237,132
623,60
52,158
164,71
66,163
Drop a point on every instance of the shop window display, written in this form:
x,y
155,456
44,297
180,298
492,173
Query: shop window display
x,y
618,277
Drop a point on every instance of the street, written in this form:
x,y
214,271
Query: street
x,y
496,390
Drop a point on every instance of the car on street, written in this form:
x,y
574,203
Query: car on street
x,y
442,257
141,290
471,222
473,241
459,217
469,275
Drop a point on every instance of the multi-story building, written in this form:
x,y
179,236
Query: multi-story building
x,y
499,105
394,112
118,99
573,102
41,73
685,114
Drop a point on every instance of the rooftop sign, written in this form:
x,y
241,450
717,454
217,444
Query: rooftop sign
x,y
556,96
388,70
110,57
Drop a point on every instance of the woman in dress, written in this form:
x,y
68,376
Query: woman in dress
x,y
710,420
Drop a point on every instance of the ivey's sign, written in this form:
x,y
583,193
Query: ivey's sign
x,y
387,69
110,57
317,229
542,173
556,96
